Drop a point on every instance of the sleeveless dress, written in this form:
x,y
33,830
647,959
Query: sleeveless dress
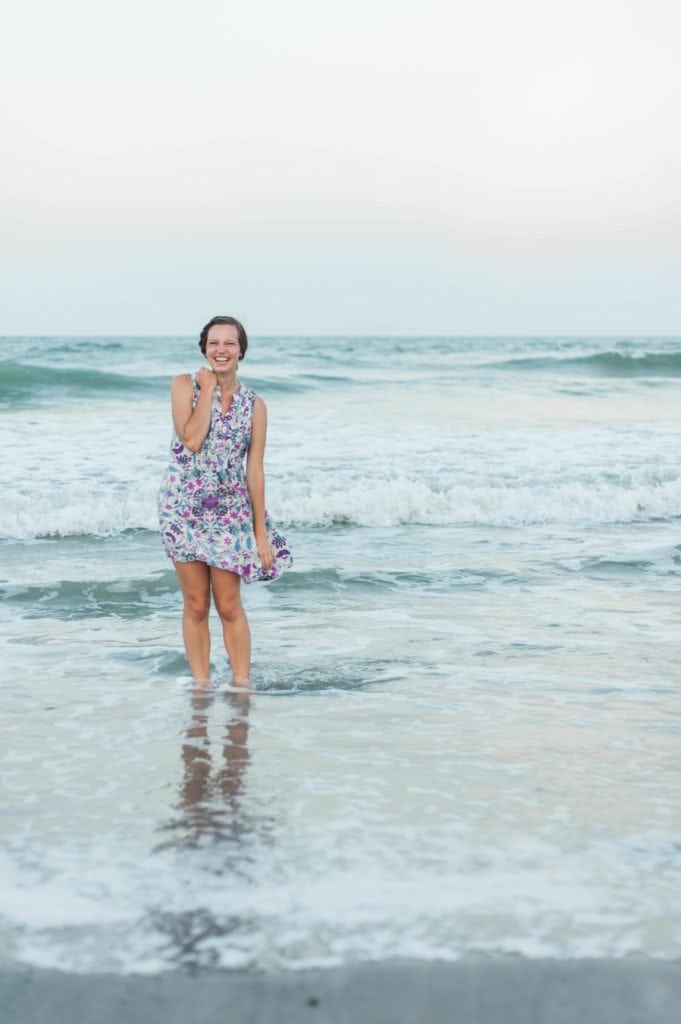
x,y
204,507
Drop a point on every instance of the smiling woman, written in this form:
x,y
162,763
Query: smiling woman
x,y
211,510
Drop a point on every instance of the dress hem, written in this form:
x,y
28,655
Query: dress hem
x,y
258,577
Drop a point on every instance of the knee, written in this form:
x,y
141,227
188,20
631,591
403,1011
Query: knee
x,y
229,611
197,608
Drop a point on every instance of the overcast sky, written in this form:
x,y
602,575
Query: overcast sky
x,y
370,166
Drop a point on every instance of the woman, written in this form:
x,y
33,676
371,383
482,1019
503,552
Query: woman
x,y
212,513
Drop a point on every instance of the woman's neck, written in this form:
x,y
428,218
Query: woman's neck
x,y
228,381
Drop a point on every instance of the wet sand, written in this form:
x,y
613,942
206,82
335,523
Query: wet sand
x,y
475,990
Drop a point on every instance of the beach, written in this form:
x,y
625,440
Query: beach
x,y
455,785
485,990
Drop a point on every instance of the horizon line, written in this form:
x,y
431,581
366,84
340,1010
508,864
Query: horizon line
x,y
370,334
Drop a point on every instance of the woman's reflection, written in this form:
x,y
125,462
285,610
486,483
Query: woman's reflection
x,y
210,798
216,830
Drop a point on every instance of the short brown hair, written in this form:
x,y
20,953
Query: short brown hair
x,y
232,321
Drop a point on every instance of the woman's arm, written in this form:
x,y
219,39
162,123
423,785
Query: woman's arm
x,y
255,479
192,423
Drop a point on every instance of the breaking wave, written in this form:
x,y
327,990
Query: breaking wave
x,y
601,364
77,510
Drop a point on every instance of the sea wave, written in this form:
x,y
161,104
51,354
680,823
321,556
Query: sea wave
x,y
401,501
21,382
128,597
76,599
77,510
600,364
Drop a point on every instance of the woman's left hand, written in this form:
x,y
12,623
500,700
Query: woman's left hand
x,y
266,554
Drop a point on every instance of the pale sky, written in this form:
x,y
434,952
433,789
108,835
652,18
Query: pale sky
x,y
370,167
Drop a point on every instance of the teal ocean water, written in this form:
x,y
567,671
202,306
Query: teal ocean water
x,y
464,734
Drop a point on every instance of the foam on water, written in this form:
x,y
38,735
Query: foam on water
x,y
368,501
105,481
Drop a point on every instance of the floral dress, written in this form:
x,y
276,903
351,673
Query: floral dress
x,y
204,507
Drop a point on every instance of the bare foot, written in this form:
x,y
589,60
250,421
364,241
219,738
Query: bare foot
x,y
202,685
241,683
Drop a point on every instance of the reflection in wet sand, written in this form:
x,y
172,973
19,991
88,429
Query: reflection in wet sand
x,y
210,799
216,828
210,802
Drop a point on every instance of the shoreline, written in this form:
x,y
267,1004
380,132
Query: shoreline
x,y
475,990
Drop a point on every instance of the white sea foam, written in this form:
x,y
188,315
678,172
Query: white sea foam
x,y
512,899
76,509
376,502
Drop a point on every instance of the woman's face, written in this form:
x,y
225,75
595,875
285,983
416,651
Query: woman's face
x,y
222,348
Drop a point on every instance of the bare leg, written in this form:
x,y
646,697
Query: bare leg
x,y
235,629
194,579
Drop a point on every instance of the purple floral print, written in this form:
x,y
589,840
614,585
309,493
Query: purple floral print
x,y
204,508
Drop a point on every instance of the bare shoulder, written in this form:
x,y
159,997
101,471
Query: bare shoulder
x,y
259,406
181,383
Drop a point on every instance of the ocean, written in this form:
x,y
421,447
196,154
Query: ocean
x,y
464,735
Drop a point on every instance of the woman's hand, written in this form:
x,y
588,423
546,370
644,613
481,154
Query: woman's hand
x,y
265,553
206,380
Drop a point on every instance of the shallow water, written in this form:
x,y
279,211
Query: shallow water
x,y
465,729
